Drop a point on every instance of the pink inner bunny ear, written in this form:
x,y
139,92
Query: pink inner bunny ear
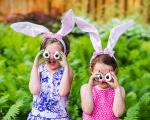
x,y
116,32
94,35
68,23
29,28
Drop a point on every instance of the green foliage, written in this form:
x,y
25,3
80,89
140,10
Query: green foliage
x,y
140,110
13,111
17,53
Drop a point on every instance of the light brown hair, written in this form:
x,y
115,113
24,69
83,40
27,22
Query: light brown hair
x,y
48,41
106,59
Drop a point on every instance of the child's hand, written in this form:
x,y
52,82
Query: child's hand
x,y
92,81
114,84
38,57
63,60
40,54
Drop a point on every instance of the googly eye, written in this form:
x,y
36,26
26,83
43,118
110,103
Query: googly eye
x,y
108,77
57,55
97,77
100,77
46,54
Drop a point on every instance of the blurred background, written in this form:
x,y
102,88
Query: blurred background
x,y
17,51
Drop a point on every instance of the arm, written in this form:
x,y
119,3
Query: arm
x,y
34,83
119,102
86,95
86,98
66,81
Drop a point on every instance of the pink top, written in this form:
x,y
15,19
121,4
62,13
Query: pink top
x,y
103,104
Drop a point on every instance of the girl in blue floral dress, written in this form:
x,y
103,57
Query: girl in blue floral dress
x,y
50,82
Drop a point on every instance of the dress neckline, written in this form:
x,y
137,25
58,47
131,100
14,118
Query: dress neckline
x,y
51,73
101,89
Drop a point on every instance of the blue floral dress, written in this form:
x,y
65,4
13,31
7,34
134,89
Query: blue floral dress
x,y
49,105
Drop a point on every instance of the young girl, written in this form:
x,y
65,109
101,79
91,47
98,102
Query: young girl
x,y
50,83
102,98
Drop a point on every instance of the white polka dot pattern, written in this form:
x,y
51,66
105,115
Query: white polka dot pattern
x,y
103,103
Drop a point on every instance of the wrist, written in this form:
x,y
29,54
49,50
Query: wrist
x,y
90,83
117,89
36,63
66,66
89,86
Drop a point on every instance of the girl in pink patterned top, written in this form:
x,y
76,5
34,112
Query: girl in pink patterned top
x,y
102,98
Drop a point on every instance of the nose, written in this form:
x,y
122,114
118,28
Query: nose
x,y
51,56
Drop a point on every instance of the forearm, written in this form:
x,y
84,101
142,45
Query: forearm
x,y
87,100
119,104
34,83
65,83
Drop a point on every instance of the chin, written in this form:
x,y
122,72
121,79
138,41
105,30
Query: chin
x,y
54,66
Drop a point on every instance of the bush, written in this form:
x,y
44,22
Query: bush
x,y
17,53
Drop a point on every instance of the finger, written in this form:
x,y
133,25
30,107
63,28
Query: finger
x,y
92,80
95,73
40,52
113,76
95,83
62,54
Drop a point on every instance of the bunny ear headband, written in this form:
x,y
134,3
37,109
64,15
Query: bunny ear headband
x,y
115,33
33,30
68,22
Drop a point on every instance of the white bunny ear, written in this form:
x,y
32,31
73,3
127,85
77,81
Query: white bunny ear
x,y
116,32
68,23
93,32
29,28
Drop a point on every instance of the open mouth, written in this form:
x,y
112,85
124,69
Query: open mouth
x,y
104,82
52,62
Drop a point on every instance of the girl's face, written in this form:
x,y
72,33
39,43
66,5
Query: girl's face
x,y
52,48
102,68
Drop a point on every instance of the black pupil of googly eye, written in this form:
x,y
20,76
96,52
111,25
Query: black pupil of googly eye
x,y
107,77
56,55
100,77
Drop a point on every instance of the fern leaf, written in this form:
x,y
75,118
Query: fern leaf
x,y
133,112
3,99
13,111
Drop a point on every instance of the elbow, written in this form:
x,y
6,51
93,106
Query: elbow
x,y
63,93
34,90
87,109
88,112
119,113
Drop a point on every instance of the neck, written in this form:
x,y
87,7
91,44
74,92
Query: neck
x,y
49,69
